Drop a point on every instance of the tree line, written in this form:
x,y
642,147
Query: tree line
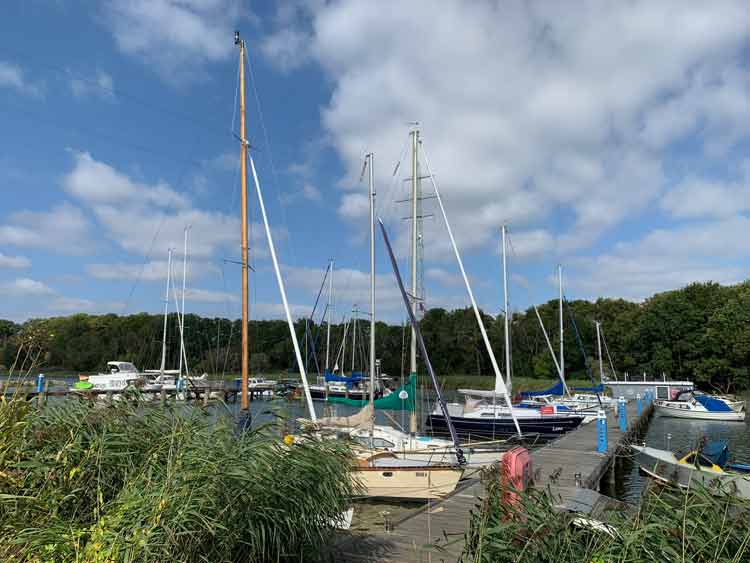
x,y
700,332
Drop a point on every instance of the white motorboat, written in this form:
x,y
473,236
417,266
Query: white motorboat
x,y
700,407
709,467
121,375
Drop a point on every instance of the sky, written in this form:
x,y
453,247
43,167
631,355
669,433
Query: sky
x,y
611,137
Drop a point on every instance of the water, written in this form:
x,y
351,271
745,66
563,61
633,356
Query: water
x,y
628,481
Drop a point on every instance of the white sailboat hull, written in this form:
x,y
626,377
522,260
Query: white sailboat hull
x,y
418,483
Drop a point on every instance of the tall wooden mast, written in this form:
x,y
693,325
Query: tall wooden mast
x,y
243,202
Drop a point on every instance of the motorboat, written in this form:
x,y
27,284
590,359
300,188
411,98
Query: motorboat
x,y
709,466
121,375
700,407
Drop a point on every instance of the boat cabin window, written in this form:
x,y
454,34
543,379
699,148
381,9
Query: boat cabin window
x,y
387,473
662,392
376,442
381,443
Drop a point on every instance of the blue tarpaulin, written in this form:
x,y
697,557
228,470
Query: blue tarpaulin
x,y
356,377
713,405
556,389
718,452
598,389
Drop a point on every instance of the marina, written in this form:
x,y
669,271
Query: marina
x,y
456,284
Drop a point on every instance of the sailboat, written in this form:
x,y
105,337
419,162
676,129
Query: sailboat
x,y
490,414
381,467
586,401
245,160
384,474
173,380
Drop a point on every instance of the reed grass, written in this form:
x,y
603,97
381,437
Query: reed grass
x,y
670,526
86,483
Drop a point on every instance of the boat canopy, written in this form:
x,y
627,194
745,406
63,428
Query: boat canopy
x,y
556,389
711,404
598,389
356,377
402,399
717,452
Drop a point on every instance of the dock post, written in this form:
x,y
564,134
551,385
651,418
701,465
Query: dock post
x,y
162,396
622,413
601,431
639,402
206,393
40,383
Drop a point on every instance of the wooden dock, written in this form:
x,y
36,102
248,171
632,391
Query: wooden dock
x,y
572,460
196,393
570,467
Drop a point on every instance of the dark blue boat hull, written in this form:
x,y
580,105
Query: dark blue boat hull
x,y
547,426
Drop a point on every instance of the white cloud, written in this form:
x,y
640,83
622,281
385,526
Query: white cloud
x,y
351,287
443,277
25,287
153,270
308,192
63,305
209,296
276,311
101,85
98,183
698,197
63,229
311,192
177,37
18,262
530,244
12,76
143,217
530,110
665,259
287,49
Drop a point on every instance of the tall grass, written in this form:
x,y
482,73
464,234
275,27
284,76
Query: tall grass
x,y
85,483
669,526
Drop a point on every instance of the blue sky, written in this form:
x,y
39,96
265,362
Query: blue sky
x,y
612,138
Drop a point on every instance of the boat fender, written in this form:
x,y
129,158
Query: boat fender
x,y
515,474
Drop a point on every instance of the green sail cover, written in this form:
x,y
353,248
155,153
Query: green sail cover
x,y
403,398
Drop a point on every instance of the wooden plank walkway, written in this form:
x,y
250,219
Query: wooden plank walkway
x,y
569,467
572,460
